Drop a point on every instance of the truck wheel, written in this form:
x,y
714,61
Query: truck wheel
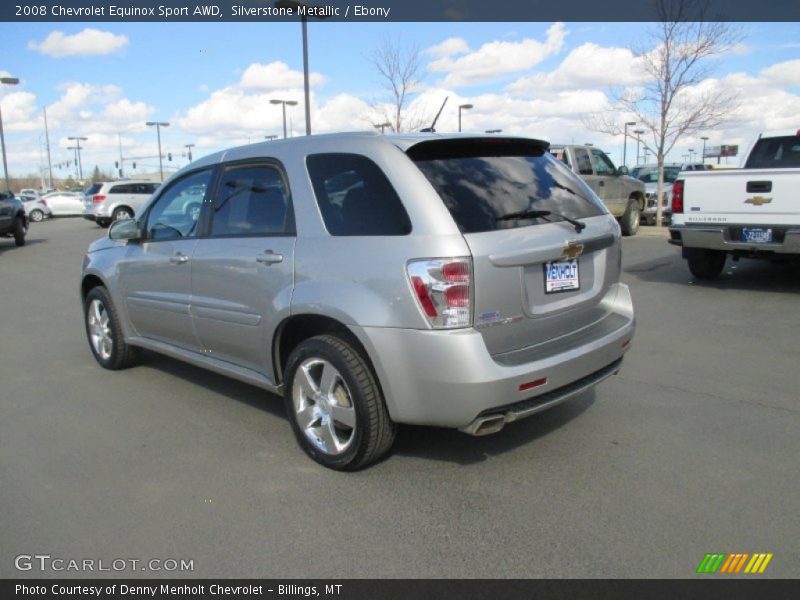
x,y
335,404
19,229
706,264
630,220
104,332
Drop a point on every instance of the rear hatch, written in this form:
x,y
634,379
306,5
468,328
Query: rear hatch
x,y
484,182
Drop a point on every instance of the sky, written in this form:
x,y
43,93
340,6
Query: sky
x,y
213,81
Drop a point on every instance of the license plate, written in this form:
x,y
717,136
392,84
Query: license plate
x,y
758,235
561,276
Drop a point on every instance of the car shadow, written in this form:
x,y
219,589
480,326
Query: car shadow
x,y
451,445
8,244
745,274
429,443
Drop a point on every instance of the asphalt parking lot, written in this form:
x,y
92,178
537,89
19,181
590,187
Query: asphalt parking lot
x,y
692,448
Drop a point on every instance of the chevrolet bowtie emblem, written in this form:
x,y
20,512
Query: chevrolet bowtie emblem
x,y
572,250
758,200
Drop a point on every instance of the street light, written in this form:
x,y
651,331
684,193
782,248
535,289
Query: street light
x,y
494,131
189,150
78,139
460,107
285,102
294,5
625,143
7,81
705,139
158,125
381,126
638,133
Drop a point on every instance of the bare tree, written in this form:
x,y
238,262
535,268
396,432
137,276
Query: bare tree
x,y
672,103
399,67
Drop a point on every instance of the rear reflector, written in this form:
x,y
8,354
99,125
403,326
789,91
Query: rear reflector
x,y
532,384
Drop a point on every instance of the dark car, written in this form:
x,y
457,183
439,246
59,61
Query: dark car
x,y
13,221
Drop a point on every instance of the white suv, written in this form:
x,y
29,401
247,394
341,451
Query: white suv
x,y
115,200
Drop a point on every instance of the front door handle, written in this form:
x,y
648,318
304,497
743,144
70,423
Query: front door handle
x,y
179,258
269,258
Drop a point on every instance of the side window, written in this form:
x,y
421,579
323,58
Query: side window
x,y
355,197
120,189
583,161
177,210
149,188
602,163
252,200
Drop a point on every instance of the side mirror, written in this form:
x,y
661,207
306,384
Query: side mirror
x,y
126,229
623,170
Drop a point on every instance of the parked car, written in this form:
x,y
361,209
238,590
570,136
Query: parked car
x,y
648,174
115,200
456,281
13,220
30,192
36,209
64,204
624,196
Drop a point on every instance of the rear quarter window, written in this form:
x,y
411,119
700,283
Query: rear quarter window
x,y
481,182
355,198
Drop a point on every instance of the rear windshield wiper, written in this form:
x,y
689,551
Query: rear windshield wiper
x,y
535,214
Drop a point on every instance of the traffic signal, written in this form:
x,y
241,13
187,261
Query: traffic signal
x,y
116,164
169,155
134,165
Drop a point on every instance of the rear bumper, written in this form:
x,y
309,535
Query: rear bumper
x,y
724,237
449,379
90,216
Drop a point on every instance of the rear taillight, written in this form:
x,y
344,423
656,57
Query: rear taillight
x,y
98,198
677,196
443,290
42,201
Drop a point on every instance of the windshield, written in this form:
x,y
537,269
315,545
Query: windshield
x,y
480,182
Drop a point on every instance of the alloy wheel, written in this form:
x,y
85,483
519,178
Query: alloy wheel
x,y
100,329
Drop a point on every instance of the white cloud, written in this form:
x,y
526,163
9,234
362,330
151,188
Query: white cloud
x,y
449,47
275,76
784,73
586,67
89,42
498,58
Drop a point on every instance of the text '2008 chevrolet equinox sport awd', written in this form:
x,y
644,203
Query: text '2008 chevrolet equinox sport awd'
x,y
457,281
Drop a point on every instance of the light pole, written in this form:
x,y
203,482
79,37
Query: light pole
x,y
189,150
460,107
294,5
381,126
638,133
625,143
705,139
158,125
494,131
284,103
78,139
691,155
7,81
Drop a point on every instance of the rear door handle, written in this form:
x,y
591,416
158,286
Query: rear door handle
x,y
179,258
269,258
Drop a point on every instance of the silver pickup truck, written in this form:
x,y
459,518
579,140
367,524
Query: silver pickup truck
x,y
623,196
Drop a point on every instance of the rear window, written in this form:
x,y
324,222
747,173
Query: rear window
x,y
355,197
775,152
481,181
93,189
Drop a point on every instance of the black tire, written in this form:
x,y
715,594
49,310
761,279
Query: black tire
x,y
37,216
121,355
630,219
373,432
104,223
122,212
706,264
19,229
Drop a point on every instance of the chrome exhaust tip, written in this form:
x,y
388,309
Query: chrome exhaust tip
x,y
485,425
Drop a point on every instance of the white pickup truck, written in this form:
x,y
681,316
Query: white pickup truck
x,y
752,212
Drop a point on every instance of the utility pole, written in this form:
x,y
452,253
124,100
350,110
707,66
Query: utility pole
x,y
47,140
158,125
189,150
78,139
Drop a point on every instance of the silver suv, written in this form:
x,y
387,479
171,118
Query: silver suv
x,y
116,200
372,280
